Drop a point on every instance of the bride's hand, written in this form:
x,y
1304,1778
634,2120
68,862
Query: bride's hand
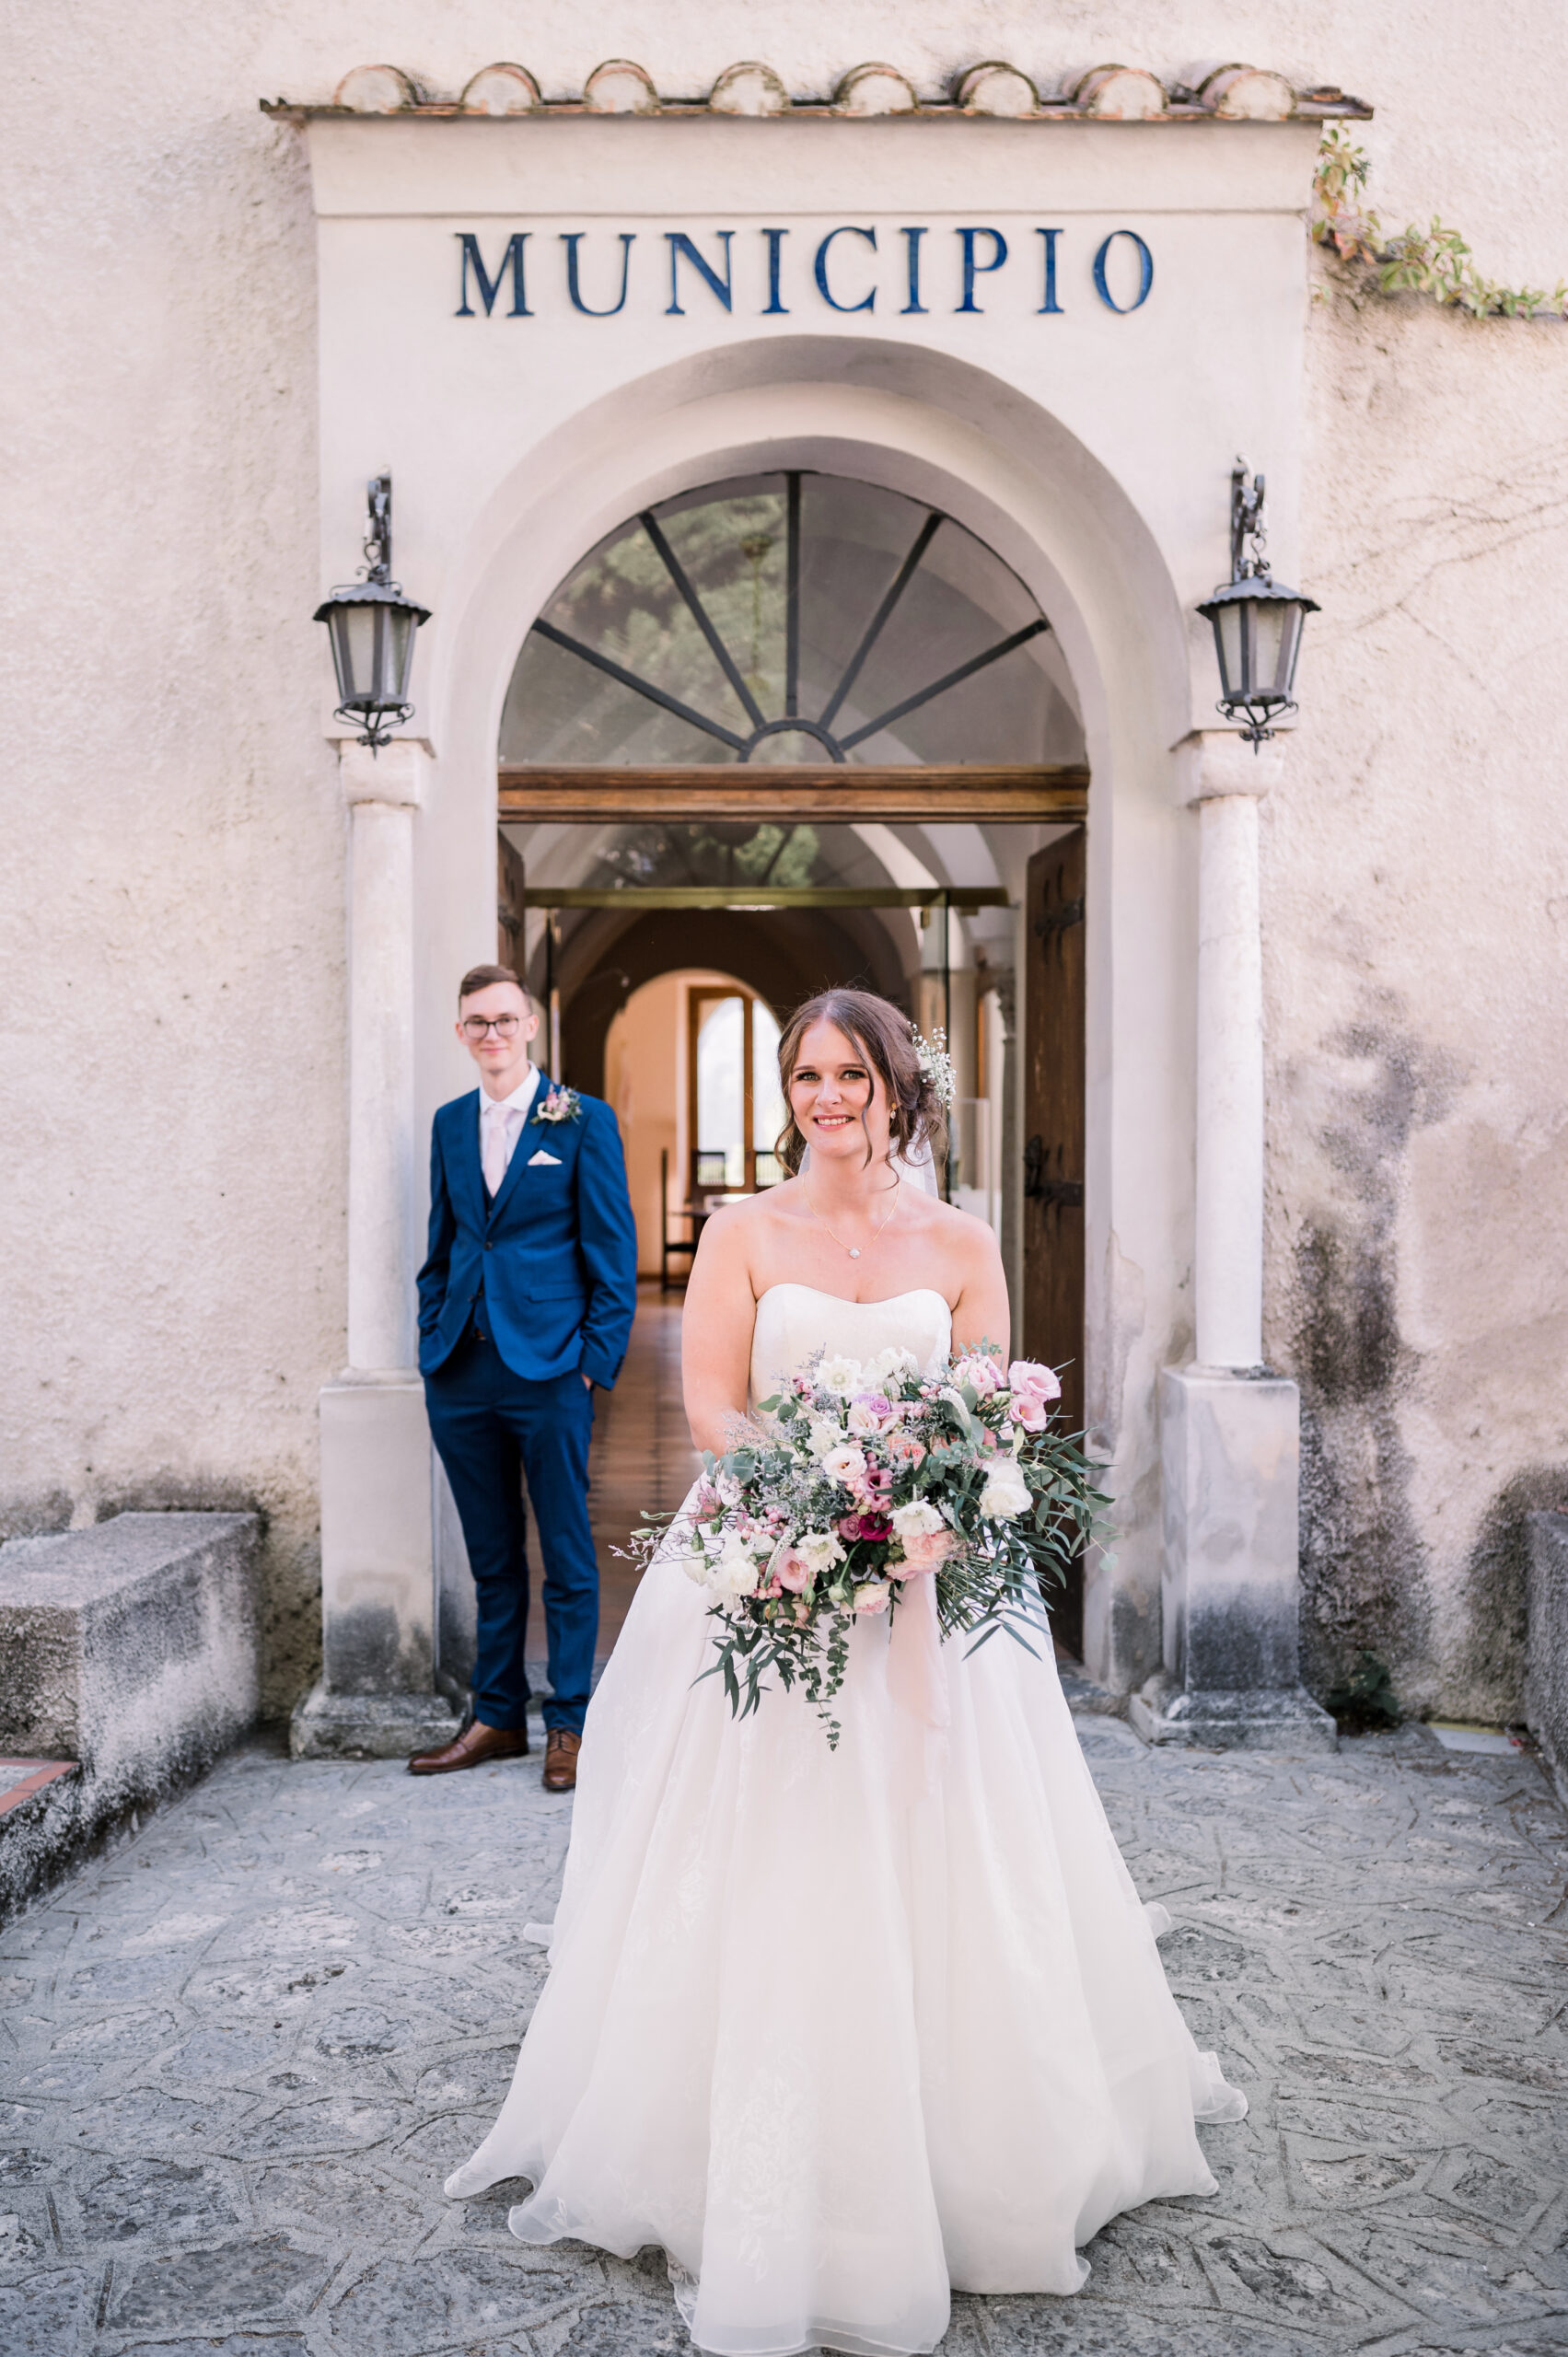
x,y
715,1332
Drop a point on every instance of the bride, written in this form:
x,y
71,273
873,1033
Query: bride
x,y
837,2038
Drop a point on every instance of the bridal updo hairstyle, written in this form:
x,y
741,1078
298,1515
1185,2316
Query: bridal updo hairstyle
x,y
883,1038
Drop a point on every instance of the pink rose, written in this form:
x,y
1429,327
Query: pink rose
x,y
906,1448
1033,1387
979,1371
791,1569
923,1550
848,1525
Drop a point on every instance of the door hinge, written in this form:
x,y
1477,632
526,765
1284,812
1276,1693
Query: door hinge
x,y
1037,1188
1059,920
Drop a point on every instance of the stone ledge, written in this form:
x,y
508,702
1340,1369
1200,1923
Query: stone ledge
x,y
369,1726
131,1655
1278,1718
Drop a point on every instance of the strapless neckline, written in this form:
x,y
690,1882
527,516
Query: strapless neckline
x,y
842,1301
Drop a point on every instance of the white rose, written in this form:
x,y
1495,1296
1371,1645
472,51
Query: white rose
x,y
822,1436
893,1361
839,1376
844,1466
735,1573
915,1520
1006,1494
820,1549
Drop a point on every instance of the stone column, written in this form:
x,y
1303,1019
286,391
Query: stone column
x,y
378,1694
1229,1427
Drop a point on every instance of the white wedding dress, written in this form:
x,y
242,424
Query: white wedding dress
x,y
835,2049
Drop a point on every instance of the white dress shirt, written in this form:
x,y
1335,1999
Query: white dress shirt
x,y
501,1121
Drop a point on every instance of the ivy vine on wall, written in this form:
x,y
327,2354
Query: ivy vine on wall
x,y
1435,261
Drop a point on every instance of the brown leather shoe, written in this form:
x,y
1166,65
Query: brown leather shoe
x,y
561,1750
477,1743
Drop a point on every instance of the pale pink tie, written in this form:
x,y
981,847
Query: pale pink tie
x,y
498,1132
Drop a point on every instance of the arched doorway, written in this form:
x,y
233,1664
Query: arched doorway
x,y
793,730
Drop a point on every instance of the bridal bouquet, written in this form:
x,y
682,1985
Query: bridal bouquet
x,y
856,1480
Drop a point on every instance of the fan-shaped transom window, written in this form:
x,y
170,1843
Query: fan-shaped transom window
x,y
791,617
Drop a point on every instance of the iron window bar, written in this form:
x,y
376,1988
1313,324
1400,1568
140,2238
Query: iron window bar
x,y
700,616
794,722
644,687
901,580
950,679
792,601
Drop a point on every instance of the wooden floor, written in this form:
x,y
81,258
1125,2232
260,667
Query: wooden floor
x,y
642,1459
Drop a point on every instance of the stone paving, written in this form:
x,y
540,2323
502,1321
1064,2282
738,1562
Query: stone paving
x,y
240,2053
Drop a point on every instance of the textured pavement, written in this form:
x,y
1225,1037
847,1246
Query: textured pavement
x,y
241,2054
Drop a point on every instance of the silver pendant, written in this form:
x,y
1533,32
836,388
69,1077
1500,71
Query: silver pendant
x,y
855,1251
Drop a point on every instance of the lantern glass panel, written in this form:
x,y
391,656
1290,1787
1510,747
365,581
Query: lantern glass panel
x,y
1270,648
353,646
400,651
1229,622
1291,619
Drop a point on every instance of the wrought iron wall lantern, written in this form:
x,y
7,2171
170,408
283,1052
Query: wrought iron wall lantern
x,y
1257,622
372,627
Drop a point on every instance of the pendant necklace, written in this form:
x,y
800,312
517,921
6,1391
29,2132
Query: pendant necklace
x,y
854,1250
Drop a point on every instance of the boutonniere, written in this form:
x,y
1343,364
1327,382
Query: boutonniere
x,y
559,1103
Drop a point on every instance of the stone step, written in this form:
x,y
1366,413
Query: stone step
x,y
131,1664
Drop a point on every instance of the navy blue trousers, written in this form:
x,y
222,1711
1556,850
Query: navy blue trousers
x,y
486,1424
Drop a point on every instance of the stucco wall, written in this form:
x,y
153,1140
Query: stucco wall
x,y
1416,939
172,979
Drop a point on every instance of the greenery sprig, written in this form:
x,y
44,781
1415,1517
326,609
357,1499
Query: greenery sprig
x,y
1435,261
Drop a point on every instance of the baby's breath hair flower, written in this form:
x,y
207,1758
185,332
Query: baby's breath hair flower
x,y
936,1063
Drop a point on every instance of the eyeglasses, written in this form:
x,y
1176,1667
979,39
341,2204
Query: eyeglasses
x,y
504,1026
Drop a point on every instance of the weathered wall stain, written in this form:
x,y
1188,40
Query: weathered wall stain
x,y
34,1514
1492,1659
1365,1584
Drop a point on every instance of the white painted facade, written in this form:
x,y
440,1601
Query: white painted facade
x,y
1326,1125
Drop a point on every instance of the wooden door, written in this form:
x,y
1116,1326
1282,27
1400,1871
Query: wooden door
x,y
508,906
1054,1045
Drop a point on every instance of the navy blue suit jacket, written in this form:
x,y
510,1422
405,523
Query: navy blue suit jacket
x,y
555,1254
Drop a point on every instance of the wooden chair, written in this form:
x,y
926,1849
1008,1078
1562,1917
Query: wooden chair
x,y
668,1244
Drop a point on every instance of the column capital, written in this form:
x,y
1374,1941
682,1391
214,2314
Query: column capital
x,y
1211,763
1004,981
398,774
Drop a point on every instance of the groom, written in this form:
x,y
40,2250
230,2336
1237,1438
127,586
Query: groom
x,y
526,1301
